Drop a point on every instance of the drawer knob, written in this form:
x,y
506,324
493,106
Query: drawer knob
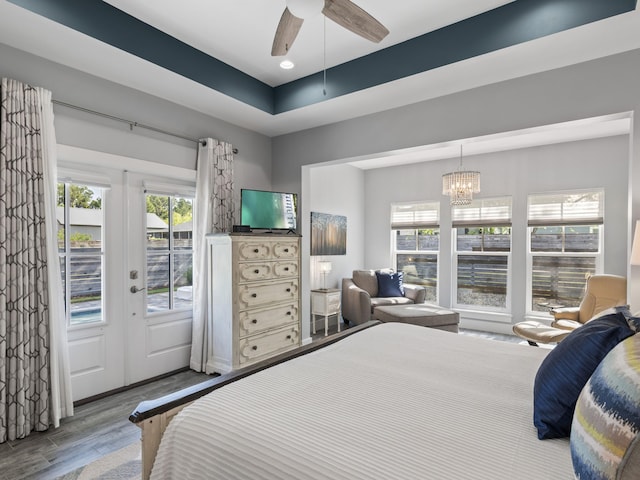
x,y
288,313
255,347
256,271
286,269
255,250
286,250
254,321
288,337
254,295
288,289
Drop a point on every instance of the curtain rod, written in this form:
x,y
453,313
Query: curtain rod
x,y
130,122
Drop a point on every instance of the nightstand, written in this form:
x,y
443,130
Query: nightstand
x,y
325,302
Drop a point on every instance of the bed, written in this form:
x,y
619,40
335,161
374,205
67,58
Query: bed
x,y
390,401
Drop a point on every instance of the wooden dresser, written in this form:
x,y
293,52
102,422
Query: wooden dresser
x,y
254,301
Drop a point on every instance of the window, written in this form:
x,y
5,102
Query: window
x,y
565,246
482,253
416,243
79,213
169,251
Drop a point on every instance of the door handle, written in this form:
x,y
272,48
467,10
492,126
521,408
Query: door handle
x,y
135,289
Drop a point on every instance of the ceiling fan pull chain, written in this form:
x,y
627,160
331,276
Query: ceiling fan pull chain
x,y
324,56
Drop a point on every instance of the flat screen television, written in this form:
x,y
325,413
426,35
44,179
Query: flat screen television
x,y
263,210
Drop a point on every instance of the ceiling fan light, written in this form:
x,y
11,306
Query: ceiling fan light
x,y
305,8
287,64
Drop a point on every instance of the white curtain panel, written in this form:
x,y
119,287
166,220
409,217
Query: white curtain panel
x,y
61,395
32,336
213,213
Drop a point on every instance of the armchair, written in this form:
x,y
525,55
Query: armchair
x,y
601,292
360,296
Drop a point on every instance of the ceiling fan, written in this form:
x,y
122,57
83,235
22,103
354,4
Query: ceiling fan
x,y
343,12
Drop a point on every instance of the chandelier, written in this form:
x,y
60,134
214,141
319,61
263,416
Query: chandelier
x,y
461,184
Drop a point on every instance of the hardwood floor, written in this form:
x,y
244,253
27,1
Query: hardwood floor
x,y
96,429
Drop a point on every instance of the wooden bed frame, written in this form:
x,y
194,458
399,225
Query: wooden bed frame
x,y
153,416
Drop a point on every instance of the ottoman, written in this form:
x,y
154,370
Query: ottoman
x,y
423,314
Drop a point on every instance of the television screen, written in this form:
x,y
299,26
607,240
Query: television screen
x,y
268,210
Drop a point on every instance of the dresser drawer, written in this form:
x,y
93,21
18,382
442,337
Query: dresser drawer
x,y
264,294
285,269
250,272
258,346
285,249
256,321
254,250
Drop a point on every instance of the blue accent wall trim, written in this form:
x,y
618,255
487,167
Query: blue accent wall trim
x,y
112,26
511,24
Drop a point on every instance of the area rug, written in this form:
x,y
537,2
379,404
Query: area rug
x,y
123,464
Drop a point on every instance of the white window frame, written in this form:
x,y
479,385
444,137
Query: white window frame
x,y
563,214
415,216
483,212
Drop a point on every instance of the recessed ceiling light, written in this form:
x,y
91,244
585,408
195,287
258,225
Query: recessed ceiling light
x,y
287,64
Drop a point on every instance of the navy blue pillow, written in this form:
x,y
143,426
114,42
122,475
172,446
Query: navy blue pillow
x,y
568,367
390,284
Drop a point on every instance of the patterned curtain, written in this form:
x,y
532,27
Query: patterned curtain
x,y
34,368
214,212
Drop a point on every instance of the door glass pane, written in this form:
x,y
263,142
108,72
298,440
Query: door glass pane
x,y
80,228
183,281
169,252
182,223
157,222
86,289
158,282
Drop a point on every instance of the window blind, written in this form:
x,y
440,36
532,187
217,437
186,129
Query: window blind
x,y
155,188
83,178
573,208
484,211
415,215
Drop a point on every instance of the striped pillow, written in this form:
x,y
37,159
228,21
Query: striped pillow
x,y
605,433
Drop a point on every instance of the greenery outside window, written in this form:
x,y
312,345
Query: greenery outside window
x,y
416,244
565,246
482,254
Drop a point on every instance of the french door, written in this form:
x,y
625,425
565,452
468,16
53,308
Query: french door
x,y
125,253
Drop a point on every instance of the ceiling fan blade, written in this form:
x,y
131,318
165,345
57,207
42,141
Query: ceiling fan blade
x,y
286,33
355,19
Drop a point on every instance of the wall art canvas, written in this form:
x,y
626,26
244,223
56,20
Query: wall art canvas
x,y
328,234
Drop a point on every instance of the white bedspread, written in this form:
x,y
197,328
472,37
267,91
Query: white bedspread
x,y
395,401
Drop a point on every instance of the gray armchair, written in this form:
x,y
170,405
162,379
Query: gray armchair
x,y
360,296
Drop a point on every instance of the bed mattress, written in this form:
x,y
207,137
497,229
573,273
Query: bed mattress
x,y
394,401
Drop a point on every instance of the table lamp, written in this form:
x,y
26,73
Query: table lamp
x,y
325,268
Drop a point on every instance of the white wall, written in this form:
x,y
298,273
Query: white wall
x,y
598,163
337,190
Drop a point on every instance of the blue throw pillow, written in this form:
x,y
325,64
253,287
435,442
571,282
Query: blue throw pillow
x,y
566,370
390,284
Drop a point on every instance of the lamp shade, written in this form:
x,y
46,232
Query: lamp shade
x,y
324,266
635,248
